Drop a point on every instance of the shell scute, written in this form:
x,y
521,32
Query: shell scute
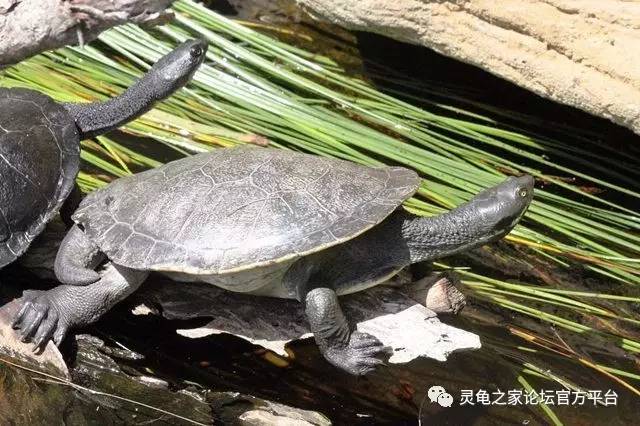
x,y
39,160
241,208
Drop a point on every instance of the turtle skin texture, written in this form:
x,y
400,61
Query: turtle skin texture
x,y
39,160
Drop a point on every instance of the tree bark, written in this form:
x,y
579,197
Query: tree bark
x,y
28,27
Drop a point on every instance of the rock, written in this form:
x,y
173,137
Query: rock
x,y
28,27
583,53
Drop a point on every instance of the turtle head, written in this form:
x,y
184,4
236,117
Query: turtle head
x,y
169,74
497,210
488,216
176,68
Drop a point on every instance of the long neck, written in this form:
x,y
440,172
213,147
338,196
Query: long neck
x,y
95,118
430,238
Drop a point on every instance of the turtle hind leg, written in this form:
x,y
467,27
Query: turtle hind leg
x,y
352,351
50,314
77,258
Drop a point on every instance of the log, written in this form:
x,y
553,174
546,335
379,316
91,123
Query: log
x,y
102,389
389,313
49,361
28,27
581,53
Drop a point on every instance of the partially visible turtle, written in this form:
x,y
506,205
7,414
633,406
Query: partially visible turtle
x,y
266,222
40,143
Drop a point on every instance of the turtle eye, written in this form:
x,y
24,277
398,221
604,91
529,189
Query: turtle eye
x,y
196,51
523,193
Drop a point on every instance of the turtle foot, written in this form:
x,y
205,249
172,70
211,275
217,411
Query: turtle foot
x,y
40,318
49,360
360,356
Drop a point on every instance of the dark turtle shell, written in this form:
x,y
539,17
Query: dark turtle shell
x,y
236,209
39,160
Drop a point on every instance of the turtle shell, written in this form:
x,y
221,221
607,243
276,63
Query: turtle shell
x,y
39,160
235,209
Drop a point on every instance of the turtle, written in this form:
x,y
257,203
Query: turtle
x,y
261,221
40,143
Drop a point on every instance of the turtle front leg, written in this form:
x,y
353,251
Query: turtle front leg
x,y
54,312
77,259
352,351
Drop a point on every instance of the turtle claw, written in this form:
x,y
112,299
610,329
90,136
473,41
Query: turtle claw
x,y
59,335
360,340
31,323
20,315
37,320
43,335
361,356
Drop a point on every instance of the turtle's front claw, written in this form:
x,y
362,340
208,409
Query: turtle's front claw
x,y
37,319
360,356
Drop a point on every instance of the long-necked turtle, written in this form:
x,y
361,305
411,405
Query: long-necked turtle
x,y
40,143
267,222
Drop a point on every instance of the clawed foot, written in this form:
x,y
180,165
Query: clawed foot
x,y
39,318
360,356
